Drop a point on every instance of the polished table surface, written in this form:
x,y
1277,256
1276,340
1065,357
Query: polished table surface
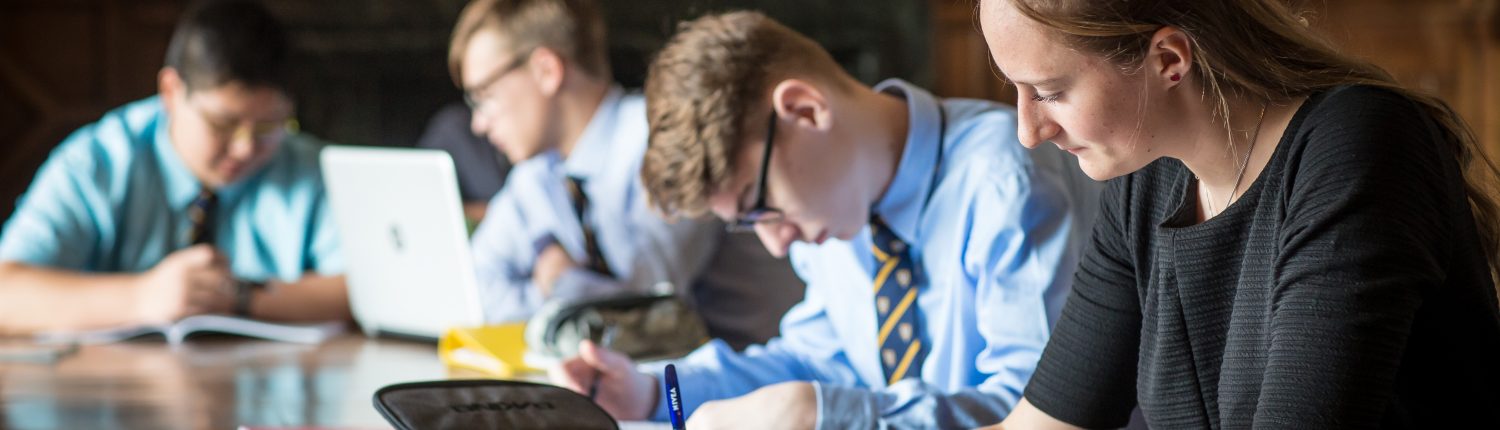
x,y
214,383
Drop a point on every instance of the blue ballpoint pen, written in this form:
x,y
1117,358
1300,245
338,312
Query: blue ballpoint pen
x,y
674,399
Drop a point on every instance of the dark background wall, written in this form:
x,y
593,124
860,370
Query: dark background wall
x,y
373,71
376,69
369,72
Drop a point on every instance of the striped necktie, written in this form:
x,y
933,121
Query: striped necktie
x,y
201,214
596,261
901,349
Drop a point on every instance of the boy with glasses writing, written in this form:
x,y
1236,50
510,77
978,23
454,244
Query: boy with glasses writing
x,y
936,256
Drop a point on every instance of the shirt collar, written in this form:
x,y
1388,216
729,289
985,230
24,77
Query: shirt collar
x,y
901,206
181,187
592,149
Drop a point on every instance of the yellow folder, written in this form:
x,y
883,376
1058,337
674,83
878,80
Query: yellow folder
x,y
495,350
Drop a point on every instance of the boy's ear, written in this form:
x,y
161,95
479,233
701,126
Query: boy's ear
x,y
548,69
169,85
801,103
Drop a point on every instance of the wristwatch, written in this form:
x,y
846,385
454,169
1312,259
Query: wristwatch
x,y
242,295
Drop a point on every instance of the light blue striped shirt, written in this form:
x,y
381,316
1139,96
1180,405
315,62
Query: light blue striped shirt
x,y
534,209
998,240
113,198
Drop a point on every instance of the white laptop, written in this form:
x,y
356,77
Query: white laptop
x,y
401,223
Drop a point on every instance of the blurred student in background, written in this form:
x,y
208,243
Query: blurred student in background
x,y
204,198
573,220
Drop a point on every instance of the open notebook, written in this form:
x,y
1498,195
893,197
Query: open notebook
x,y
176,332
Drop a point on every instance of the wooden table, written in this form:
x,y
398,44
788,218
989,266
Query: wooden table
x,y
213,383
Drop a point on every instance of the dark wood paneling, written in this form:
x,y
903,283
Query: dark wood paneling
x,y
368,72
961,57
1443,47
1489,119
65,63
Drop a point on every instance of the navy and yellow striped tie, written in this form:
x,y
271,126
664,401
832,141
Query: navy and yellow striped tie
x,y
901,349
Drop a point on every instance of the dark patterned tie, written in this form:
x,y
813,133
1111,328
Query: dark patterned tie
x,y
596,261
901,351
201,214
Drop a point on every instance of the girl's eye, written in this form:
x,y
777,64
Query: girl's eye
x,y
1039,98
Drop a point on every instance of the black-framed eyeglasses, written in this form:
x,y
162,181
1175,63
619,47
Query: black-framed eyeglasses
x,y
759,213
474,97
262,133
